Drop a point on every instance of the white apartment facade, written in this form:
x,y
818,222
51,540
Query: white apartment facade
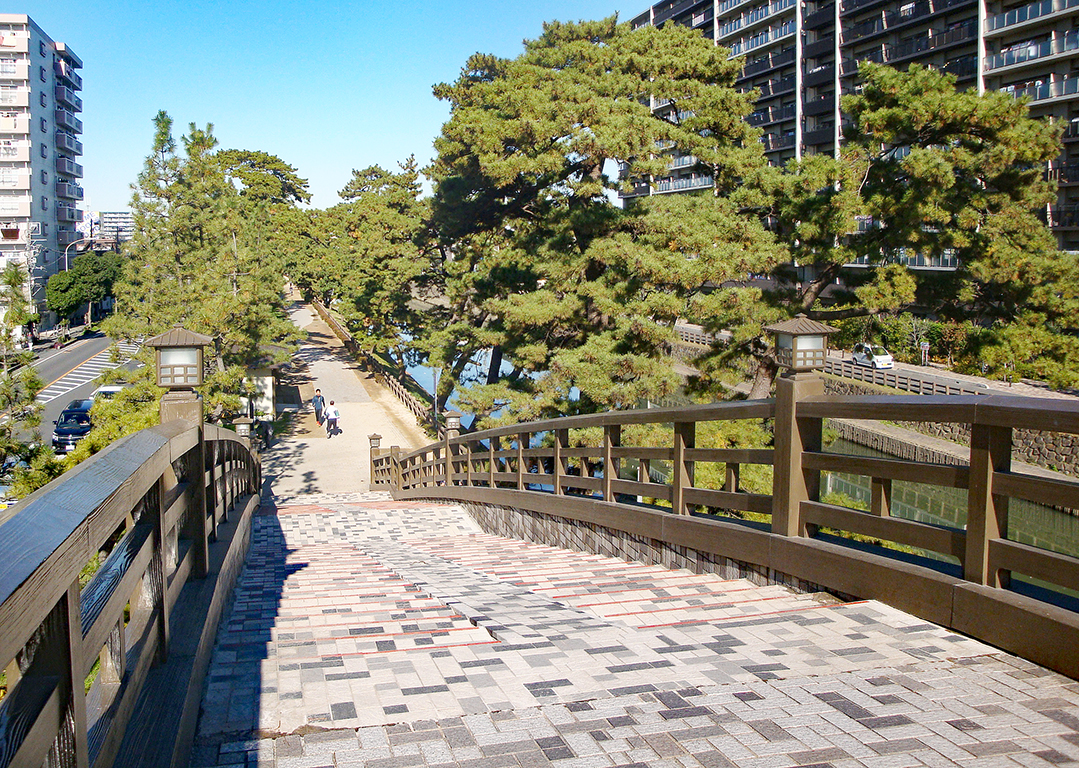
x,y
40,188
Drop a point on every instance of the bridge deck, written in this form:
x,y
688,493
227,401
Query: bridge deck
x,y
369,632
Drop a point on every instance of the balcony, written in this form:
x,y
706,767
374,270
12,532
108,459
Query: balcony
x,y
15,178
67,120
68,190
773,142
68,213
68,167
1034,51
771,115
13,208
819,76
12,123
14,97
818,137
818,47
777,87
1027,13
67,73
67,97
935,40
820,106
66,237
786,29
819,18
14,151
767,62
65,142
683,183
1042,91
11,69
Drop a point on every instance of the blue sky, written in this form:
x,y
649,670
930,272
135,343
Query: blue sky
x,y
326,86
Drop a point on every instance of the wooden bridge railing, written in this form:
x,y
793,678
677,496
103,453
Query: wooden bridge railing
x,y
152,502
584,471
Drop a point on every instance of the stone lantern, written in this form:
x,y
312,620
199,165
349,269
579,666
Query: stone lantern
x,y
179,369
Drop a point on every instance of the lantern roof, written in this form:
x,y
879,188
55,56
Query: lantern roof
x,y
800,325
177,336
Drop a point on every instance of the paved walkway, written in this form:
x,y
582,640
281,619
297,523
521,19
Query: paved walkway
x,y
305,460
368,632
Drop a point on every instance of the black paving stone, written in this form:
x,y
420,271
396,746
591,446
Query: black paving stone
x,y
673,714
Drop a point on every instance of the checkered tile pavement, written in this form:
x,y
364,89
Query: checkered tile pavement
x,y
372,633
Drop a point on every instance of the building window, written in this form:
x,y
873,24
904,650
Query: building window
x,y
44,203
8,177
44,150
44,99
7,66
44,125
41,73
44,176
41,47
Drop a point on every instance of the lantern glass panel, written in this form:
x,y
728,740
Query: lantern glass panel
x,y
177,356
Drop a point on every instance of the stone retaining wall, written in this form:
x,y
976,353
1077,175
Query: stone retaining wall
x,y
1052,450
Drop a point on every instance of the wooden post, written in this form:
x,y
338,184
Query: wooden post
x,y
395,468
451,434
685,436
791,484
194,525
987,515
493,445
71,671
561,437
159,575
612,438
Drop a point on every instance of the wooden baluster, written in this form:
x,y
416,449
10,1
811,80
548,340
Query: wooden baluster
x,y
522,441
987,514
468,463
493,445
612,438
881,504
561,437
685,436
733,477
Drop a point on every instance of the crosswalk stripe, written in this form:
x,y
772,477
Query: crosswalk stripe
x,y
87,371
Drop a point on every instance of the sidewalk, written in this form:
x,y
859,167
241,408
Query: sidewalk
x,y
303,460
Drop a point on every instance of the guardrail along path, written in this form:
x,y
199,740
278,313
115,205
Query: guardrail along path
x,y
372,632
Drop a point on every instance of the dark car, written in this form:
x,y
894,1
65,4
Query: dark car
x,y
72,425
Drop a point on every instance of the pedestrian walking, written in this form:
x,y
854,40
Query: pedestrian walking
x,y
332,415
319,404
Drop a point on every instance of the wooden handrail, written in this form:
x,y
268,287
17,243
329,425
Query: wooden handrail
x,y
143,500
568,477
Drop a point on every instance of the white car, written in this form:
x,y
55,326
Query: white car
x,y
872,355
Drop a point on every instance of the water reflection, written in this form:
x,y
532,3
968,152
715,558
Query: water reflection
x,y
1028,523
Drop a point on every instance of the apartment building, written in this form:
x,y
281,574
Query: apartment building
x,y
114,227
802,55
39,151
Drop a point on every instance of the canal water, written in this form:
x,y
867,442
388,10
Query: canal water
x,y
1028,523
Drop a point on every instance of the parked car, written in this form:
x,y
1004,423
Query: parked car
x,y
105,392
72,425
872,355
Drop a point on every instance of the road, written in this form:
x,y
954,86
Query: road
x,y
71,373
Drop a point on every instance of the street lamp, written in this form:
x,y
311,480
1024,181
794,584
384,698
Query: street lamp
x,y
73,242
